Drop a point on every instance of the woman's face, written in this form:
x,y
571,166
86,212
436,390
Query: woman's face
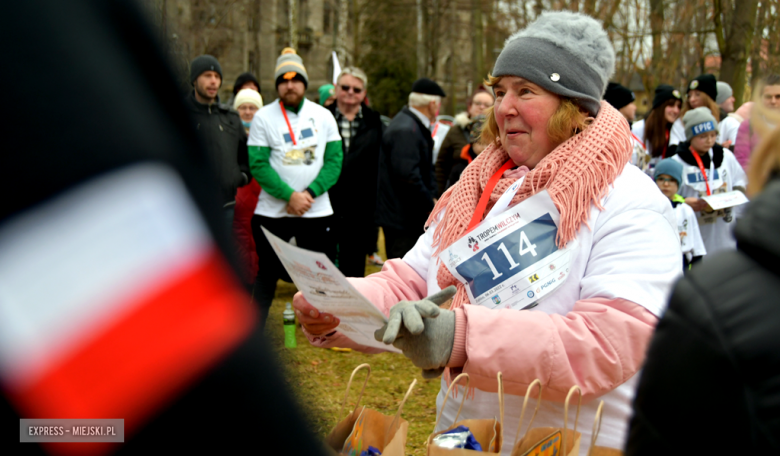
x,y
695,99
247,111
672,111
522,111
480,103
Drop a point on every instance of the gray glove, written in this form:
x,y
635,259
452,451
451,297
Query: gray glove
x,y
428,345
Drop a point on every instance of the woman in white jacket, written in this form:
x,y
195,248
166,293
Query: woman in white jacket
x,y
550,218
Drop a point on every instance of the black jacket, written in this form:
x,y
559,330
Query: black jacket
x,y
354,194
223,135
406,182
711,382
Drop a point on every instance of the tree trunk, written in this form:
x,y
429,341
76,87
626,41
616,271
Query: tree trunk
x,y
478,42
755,55
292,19
357,10
589,7
420,39
656,27
737,45
341,33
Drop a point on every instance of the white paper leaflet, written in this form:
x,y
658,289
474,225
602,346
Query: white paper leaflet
x,y
511,260
723,200
326,288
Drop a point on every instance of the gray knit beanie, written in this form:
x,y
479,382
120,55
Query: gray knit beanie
x,y
567,53
698,121
724,92
290,62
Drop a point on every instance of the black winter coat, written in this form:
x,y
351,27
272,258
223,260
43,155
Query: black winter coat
x,y
711,382
354,194
406,182
223,135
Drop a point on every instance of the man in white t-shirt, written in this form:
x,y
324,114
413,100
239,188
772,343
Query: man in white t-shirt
x,y
295,155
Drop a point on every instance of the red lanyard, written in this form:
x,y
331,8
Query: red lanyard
x,y
284,113
701,168
435,129
666,145
483,200
639,141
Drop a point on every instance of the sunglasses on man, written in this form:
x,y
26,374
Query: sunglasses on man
x,y
354,89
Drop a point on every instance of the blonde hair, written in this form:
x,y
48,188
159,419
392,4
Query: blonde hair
x,y
568,120
765,159
708,102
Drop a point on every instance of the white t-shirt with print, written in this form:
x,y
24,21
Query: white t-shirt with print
x,y
715,227
727,130
297,164
688,226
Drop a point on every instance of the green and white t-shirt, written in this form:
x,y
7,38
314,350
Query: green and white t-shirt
x,y
312,160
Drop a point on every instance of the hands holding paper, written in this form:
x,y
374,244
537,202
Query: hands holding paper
x,y
313,321
427,334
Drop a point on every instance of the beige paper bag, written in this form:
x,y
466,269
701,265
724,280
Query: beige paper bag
x,y
598,450
488,432
364,427
548,441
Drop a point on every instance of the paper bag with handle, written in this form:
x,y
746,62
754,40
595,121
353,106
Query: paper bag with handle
x,y
488,432
599,450
364,427
548,441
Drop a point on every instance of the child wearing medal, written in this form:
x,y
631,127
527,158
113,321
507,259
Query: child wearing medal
x,y
668,177
708,169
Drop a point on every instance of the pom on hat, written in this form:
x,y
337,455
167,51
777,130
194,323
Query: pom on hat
x,y
288,50
289,66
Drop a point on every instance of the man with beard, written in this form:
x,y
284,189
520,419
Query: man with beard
x,y
295,155
220,130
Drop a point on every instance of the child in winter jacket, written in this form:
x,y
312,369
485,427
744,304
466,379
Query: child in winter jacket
x,y
668,177
708,169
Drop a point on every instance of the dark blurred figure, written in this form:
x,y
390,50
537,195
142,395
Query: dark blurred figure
x,y
175,354
353,197
406,186
711,382
220,130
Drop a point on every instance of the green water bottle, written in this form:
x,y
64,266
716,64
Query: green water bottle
x,y
289,327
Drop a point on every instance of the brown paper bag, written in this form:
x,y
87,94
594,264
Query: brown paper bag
x,y
488,432
363,427
548,441
598,450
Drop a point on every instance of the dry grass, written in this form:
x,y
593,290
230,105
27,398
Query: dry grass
x,y
319,378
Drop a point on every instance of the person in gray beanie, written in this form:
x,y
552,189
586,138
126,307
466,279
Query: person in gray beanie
x,y
708,169
554,152
729,124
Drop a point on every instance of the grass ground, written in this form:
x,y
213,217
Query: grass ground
x,y
319,378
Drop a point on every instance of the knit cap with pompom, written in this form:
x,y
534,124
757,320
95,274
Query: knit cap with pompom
x,y
568,54
289,65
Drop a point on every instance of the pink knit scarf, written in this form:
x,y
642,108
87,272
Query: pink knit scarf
x,y
576,174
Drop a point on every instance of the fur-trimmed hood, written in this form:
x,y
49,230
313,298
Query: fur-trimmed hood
x,y
462,119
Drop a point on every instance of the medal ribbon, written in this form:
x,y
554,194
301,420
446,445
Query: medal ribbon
x,y
289,127
701,168
483,200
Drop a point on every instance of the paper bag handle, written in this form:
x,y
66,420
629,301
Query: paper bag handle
x,y
449,391
525,404
596,427
349,384
397,416
566,415
501,402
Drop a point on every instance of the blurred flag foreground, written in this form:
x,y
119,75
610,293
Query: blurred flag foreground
x,y
113,298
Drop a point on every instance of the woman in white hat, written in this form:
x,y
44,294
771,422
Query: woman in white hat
x,y
247,103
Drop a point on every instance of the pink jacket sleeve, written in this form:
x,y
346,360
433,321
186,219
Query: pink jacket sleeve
x,y
397,281
743,146
600,344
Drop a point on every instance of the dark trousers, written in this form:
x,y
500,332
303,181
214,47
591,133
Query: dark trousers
x,y
398,242
355,238
310,234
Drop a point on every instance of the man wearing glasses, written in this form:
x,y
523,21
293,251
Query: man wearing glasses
x,y
353,197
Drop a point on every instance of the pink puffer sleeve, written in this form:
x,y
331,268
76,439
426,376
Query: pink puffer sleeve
x,y
397,281
743,146
600,344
